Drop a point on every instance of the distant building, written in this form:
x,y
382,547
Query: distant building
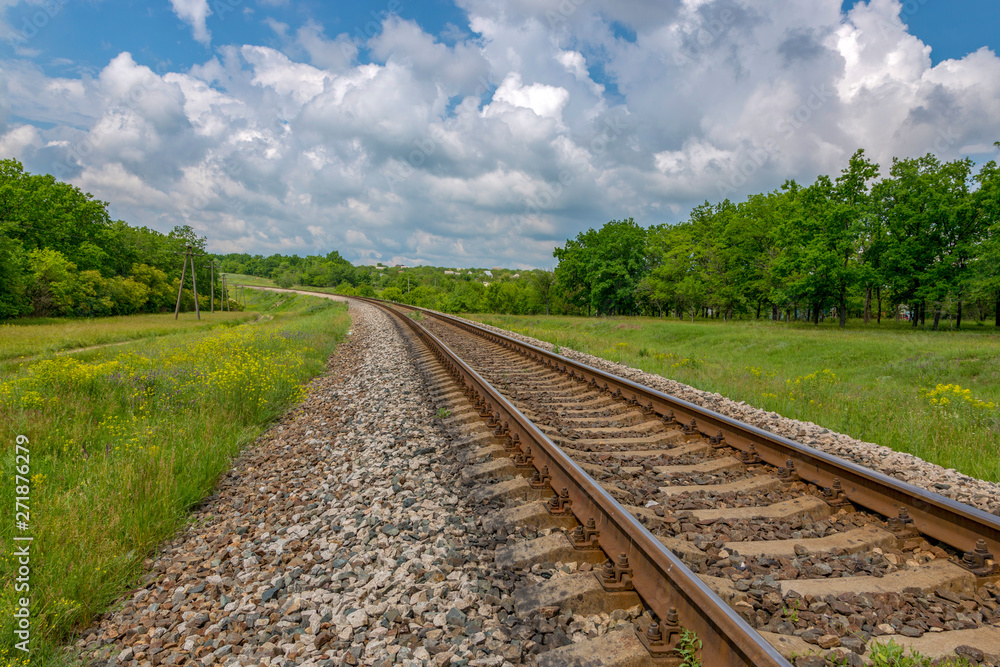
x,y
489,274
498,268
516,275
450,273
485,284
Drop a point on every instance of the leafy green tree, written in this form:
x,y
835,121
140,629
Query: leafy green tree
x,y
985,267
850,208
13,278
53,282
161,292
573,273
542,283
391,294
602,269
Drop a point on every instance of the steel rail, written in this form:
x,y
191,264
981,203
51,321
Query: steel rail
x,y
949,521
658,576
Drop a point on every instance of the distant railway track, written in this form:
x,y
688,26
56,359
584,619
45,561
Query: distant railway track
x,y
737,534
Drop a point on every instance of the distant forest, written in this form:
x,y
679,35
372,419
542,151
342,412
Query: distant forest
x,y
922,242
61,254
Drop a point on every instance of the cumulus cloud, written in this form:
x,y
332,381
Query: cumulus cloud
x,y
194,13
503,137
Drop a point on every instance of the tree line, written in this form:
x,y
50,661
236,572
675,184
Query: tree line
x,y
923,241
61,254
452,290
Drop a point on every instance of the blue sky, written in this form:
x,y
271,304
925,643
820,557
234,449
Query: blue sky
x,y
83,36
476,132
952,29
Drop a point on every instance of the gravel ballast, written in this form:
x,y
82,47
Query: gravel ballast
x,y
900,465
341,537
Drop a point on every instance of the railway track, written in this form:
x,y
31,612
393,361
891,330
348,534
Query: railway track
x,y
766,549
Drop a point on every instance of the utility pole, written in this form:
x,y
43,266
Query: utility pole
x,y
180,288
188,255
213,285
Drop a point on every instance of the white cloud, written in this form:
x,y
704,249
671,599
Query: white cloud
x,y
546,101
19,139
328,54
194,13
493,147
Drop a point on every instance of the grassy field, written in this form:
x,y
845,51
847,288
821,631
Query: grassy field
x,y
123,441
934,394
30,337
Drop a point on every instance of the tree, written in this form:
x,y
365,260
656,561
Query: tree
x,y
13,277
391,294
985,268
602,269
851,205
53,282
542,283
573,276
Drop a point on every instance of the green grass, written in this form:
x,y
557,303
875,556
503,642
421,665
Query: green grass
x,y
876,384
30,337
892,654
124,441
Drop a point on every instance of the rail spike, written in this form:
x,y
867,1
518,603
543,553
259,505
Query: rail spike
x,y
559,504
749,456
980,561
834,495
662,639
524,459
541,478
585,537
616,576
901,525
788,472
